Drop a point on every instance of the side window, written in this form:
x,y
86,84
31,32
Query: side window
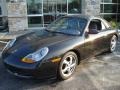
x,y
95,25
98,25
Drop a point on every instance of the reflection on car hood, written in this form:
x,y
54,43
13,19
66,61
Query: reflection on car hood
x,y
41,39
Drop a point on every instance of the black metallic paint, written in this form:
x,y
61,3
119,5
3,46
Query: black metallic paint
x,y
58,45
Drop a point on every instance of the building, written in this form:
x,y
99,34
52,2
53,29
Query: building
x,y
27,14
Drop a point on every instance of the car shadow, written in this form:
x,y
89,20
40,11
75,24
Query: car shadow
x,y
11,82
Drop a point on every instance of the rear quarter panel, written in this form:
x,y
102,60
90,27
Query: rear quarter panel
x,y
107,37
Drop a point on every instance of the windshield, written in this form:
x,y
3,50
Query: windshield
x,y
68,25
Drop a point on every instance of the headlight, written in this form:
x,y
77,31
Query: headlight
x,y
9,44
36,56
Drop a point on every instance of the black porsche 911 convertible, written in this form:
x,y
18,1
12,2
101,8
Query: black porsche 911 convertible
x,y
58,49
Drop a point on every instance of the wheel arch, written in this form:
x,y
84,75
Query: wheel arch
x,y
116,36
77,53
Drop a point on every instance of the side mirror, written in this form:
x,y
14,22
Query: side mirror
x,y
93,31
86,34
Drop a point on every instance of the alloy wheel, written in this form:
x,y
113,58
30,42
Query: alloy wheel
x,y
113,43
68,65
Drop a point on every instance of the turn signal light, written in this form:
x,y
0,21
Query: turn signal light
x,y
26,60
56,60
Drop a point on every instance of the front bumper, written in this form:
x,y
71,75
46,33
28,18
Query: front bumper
x,y
43,70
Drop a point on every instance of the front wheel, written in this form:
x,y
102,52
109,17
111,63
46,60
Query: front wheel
x,y
67,65
113,44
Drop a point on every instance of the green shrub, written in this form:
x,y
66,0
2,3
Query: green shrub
x,y
114,24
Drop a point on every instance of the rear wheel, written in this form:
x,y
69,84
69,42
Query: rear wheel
x,y
67,65
113,44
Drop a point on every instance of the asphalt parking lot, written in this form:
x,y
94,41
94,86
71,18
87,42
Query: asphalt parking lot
x,y
98,73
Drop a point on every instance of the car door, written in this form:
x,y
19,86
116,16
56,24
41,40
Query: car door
x,y
89,42
94,42
86,46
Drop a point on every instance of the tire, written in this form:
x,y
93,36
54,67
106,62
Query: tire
x,y
113,43
67,65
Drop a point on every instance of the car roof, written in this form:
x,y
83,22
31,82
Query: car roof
x,y
88,17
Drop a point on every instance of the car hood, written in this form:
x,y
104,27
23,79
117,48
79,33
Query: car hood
x,y
42,38
33,41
